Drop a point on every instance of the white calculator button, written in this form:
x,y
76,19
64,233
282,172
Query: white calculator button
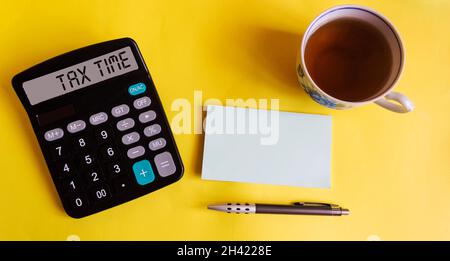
x,y
54,134
157,144
164,164
120,110
130,138
152,130
135,152
125,124
141,102
76,126
147,116
98,118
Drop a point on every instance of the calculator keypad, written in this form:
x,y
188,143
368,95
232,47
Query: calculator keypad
x,y
152,130
98,118
76,126
141,103
120,110
125,124
104,157
135,152
130,138
147,116
54,134
157,144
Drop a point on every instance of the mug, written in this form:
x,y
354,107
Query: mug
x,y
386,98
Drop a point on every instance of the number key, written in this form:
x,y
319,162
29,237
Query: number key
x,y
78,202
59,151
81,142
87,160
64,169
116,169
94,176
109,152
100,194
103,135
71,185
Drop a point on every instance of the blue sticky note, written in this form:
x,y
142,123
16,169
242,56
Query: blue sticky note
x,y
268,147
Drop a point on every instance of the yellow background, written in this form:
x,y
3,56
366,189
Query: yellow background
x,y
391,170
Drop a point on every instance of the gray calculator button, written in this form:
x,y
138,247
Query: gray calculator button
x,y
130,138
142,102
135,152
120,110
152,130
76,126
54,134
125,124
147,116
157,144
98,118
164,164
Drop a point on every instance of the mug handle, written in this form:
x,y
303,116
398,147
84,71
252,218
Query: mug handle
x,y
403,104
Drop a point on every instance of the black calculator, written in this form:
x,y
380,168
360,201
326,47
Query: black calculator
x,y
100,125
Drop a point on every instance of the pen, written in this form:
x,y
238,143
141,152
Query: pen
x,y
298,208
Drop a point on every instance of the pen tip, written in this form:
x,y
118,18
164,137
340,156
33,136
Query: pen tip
x,y
216,207
345,211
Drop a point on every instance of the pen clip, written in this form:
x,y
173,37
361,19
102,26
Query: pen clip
x,y
315,204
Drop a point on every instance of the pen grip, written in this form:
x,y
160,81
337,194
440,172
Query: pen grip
x,y
294,210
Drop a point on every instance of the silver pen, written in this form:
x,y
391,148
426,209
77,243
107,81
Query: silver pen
x,y
298,208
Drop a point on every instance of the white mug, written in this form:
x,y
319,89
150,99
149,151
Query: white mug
x,y
388,99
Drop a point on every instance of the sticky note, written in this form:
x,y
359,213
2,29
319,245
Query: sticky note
x,y
267,147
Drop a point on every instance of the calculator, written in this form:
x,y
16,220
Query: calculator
x,y
100,125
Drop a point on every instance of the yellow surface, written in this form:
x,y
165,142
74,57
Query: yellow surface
x,y
391,170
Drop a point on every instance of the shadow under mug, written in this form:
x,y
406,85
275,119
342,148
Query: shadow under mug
x,y
388,99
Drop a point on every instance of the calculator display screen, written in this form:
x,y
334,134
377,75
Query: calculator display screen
x,y
80,75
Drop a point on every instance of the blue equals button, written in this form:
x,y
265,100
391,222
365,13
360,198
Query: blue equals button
x,y
137,88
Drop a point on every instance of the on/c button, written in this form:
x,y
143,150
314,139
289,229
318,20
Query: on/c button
x,y
143,172
137,88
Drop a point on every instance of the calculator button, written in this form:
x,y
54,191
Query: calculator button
x,y
87,160
120,110
78,202
141,102
60,151
130,138
54,134
157,144
135,152
137,89
71,185
103,135
143,172
100,194
98,118
115,169
164,164
93,176
125,124
122,185
152,130
64,169
109,152
147,116
76,126
81,142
